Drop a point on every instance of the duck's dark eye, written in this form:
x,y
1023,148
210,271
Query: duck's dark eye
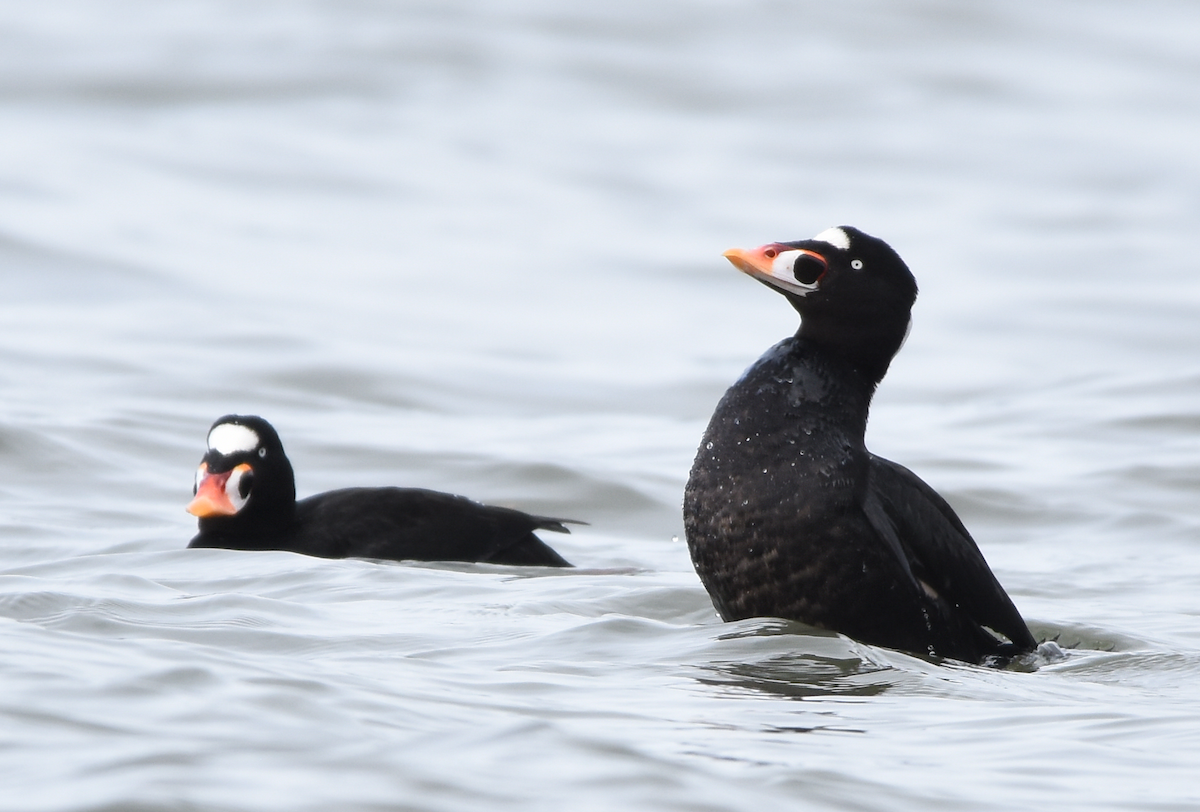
x,y
809,268
245,484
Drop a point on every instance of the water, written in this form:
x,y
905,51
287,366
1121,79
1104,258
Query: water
x,y
476,247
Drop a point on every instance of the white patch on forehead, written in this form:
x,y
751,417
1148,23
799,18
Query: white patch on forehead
x,y
230,438
835,237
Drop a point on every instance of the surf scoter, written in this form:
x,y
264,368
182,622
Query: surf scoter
x,y
788,515
245,498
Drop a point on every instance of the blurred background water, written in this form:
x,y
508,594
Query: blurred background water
x,y
475,246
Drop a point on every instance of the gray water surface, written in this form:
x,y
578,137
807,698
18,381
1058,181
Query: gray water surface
x,y
475,246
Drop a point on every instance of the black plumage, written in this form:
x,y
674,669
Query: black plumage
x,y
246,500
788,515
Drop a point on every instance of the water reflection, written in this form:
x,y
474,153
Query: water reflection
x,y
803,662
795,661
1083,638
802,676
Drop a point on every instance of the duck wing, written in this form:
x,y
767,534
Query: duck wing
x,y
421,525
936,549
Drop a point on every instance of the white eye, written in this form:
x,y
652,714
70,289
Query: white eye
x,y
237,487
856,264
262,452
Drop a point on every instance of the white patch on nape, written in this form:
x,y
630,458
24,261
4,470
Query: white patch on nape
x,y
907,332
835,237
230,438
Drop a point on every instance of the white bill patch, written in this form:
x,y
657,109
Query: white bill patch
x,y
835,237
783,274
233,487
230,438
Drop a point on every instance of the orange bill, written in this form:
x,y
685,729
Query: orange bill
x,y
211,499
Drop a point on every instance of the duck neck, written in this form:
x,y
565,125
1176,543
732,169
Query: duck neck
x,y
256,528
828,386
868,352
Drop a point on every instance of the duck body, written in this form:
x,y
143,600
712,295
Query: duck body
x,y
788,514
401,524
245,500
